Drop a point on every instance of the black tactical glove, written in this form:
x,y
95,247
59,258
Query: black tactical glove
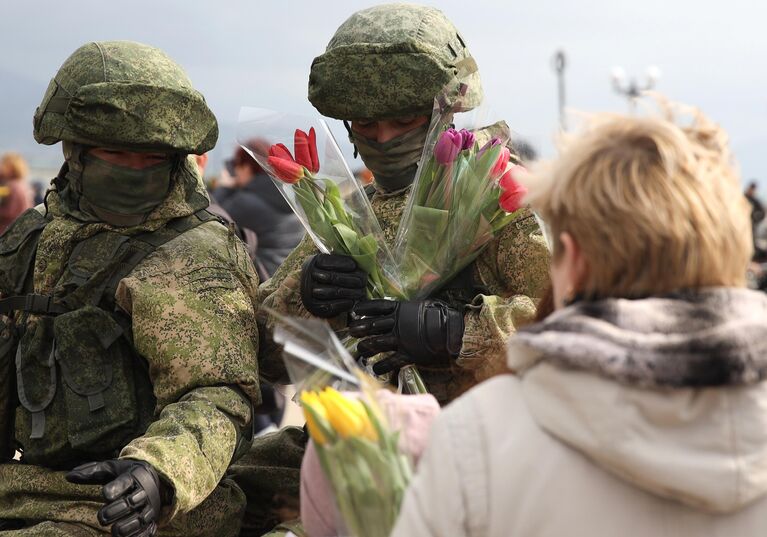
x,y
427,332
133,491
331,284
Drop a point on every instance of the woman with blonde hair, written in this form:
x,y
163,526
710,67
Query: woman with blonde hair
x,y
639,406
15,195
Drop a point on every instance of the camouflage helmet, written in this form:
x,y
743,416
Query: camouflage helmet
x,y
391,61
125,95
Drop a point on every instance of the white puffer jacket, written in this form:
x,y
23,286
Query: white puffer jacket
x,y
612,442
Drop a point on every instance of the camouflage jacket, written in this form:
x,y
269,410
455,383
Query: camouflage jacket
x,y
191,307
508,277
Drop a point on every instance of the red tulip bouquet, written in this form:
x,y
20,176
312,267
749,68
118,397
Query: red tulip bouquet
x,y
466,191
329,201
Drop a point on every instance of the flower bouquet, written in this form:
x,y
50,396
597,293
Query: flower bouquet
x,y
465,192
359,452
361,459
324,194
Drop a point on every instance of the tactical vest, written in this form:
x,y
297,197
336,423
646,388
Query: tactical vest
x,y
82,391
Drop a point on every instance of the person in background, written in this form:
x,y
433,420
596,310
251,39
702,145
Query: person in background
x,y
15,194
638,406
525,151
255,204
38,193
247,236
364,176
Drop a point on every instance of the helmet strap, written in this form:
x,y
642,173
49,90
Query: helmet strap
x,y
73,154
348,126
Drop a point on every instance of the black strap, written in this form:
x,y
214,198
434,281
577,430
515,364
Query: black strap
x,y
31,303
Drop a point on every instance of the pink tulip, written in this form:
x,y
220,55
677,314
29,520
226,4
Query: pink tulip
x,y
492,143
468,139
448,146
500,165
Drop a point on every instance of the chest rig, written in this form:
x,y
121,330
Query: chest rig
x,y
82,391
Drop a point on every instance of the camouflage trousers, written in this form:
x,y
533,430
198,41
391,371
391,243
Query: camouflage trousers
x,y
286,528
52,507
269,474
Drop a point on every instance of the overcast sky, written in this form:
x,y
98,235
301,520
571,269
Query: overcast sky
x,y
258,53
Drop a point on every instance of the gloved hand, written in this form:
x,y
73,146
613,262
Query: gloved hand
x,y
133,491
331,284
426,332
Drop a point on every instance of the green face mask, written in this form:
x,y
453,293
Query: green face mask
x,y
122,196
394,162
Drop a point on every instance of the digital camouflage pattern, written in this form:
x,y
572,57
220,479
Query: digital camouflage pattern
x,y
125,95
269,474
26,493
284,529
513,269
191,303
391,61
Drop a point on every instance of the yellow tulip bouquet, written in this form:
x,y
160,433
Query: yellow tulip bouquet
x,y
360,457
357,447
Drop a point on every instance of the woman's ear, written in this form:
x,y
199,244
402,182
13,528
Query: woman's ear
x,y
573,259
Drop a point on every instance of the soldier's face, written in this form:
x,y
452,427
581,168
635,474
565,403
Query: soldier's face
x,y
128,159
383,130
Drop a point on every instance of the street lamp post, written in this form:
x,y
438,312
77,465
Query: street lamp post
x,y
631,88
560,64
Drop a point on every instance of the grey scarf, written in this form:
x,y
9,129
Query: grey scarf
x,y
714,337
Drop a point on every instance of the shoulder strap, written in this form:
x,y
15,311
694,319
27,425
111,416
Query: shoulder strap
x,y
101,287
139,247
19,243
31,303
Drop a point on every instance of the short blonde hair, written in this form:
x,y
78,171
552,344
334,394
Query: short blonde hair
x,y
654,205
14,165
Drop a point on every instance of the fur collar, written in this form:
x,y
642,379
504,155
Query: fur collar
x,y
714,337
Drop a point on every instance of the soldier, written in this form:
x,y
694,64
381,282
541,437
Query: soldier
x,y
128,353
380,74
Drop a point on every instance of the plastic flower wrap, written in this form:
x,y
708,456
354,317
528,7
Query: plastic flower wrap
x,y
359,452
466,191
304,161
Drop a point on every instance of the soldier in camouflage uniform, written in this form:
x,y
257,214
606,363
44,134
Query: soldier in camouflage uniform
x,y
381,72
128,371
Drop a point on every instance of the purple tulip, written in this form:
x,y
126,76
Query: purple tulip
x,y
468,139
448,146
493,142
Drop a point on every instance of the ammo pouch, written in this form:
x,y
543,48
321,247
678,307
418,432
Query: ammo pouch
x,y
83,390
17,254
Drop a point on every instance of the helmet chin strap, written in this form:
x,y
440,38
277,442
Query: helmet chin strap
x,y
348,126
